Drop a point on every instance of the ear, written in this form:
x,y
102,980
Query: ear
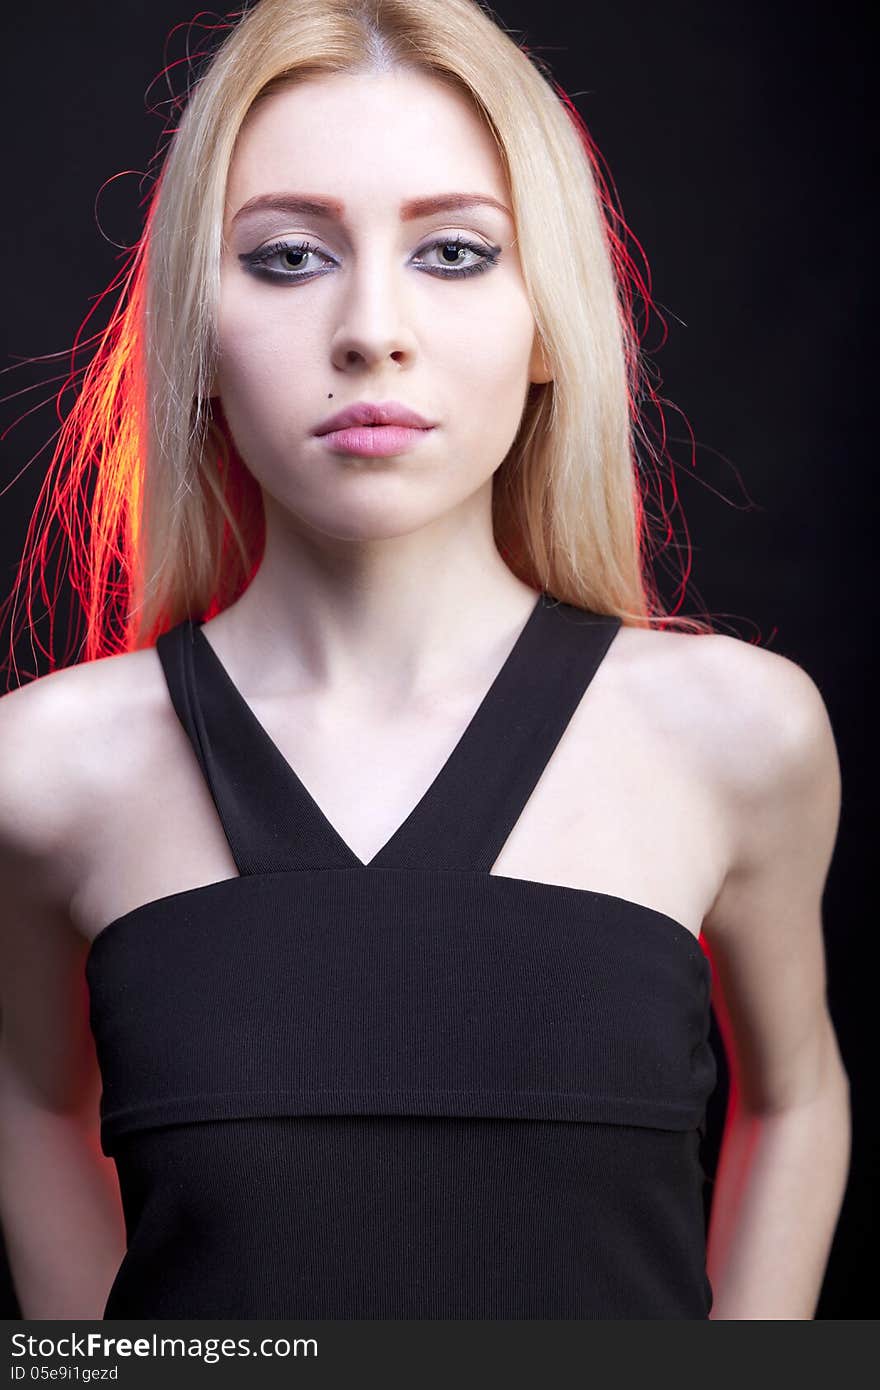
x,y
539,367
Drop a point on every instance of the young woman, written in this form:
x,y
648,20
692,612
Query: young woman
x,y
383,833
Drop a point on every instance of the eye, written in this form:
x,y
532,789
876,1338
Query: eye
x,y
486,256
294,256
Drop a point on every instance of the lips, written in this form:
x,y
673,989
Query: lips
x,y
372,413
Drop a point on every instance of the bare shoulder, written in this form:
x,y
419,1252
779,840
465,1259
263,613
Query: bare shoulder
x,y
65,745
65,738
753,729
764,738
755,719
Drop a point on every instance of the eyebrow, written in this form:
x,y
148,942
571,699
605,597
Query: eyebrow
x,y
410,209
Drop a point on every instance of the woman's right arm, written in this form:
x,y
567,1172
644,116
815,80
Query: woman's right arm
x,y
60,1206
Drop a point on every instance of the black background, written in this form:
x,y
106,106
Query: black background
x,y
739,142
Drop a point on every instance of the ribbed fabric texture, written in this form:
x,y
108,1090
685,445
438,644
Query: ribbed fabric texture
x,y
408,1088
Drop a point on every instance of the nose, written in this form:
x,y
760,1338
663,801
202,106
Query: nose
x,y
373,321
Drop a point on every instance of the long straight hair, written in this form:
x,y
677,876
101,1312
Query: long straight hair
x,y
163,519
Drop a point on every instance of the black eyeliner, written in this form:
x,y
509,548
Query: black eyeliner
x,y
254,261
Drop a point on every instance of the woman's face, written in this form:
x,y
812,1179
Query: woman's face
x,y
379,308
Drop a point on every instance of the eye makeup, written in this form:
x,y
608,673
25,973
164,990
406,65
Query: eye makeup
x,y
257,262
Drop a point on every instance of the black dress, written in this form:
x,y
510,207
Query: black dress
x,y
408,1088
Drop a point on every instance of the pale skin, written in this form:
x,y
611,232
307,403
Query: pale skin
x,y
698,776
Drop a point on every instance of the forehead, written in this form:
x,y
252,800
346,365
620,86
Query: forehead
x,y
370,140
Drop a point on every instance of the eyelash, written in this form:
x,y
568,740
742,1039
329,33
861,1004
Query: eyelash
x,y
256,260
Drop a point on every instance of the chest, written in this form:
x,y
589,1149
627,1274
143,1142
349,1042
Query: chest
x,y
622,805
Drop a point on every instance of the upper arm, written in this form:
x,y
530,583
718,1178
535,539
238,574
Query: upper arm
x,y
47,1056
778,765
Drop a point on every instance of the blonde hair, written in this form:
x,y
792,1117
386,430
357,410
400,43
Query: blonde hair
x,y
175,523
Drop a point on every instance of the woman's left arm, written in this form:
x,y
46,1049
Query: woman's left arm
x,y
785,1153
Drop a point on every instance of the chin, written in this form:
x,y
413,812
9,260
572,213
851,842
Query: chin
x,y
377,519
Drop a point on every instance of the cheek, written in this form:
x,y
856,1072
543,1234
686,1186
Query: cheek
x,y
266,345
254,386
485,331
490,364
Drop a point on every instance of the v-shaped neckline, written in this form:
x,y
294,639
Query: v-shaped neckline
x,y
444,775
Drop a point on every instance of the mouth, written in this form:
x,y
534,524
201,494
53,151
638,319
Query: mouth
x,y
375,441
375,413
